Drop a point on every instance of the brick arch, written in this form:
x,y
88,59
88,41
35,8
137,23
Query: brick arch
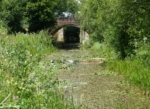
x,y
63,22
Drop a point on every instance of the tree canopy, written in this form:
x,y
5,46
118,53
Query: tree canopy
x,y
11,14
40,14
117,22
70,6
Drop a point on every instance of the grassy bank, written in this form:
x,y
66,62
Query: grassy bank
x,y
135,68
135,71
27,82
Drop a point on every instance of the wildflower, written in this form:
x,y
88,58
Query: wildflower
x,y
15,97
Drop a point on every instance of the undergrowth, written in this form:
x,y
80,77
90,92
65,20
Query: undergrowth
x,y
136,68
134,71
27,82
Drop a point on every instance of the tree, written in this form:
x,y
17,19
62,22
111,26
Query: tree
x,y
133,23
117,22
11,14
40,14
70,6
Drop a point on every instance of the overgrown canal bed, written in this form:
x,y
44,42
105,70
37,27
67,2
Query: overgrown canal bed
x,y
84,80
33,74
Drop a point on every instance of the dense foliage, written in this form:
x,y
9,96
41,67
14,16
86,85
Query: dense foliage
x,y
19,55
120,29
70,6
12,14
117,28
26,79
33,15
40,14
120,24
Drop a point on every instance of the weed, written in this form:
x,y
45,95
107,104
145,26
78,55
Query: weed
x,y
134,71
26,81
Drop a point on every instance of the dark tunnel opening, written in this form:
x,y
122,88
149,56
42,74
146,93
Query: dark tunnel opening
x,y
67,38
71,35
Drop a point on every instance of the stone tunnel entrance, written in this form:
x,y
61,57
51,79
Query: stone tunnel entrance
x,y
68,32
69,36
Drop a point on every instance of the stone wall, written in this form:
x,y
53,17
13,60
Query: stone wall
x,y
84,36
59,35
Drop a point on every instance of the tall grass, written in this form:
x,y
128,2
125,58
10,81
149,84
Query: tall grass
x,y
134,70
27,82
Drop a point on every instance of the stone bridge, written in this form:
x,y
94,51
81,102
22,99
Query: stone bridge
x,y
61,35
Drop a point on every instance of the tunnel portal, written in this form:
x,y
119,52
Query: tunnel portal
x,y
71,34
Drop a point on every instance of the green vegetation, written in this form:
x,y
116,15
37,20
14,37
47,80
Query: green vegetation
x,y
134,71
33,15
22,76
119,31
70,6
117,24
40,14
26,80
11,14
136,68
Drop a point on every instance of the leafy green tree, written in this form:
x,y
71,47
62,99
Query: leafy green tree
x,y
70,6
117,22
11,14
40,14
61,7
133,23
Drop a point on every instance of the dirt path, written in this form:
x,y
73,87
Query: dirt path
x,y
85,80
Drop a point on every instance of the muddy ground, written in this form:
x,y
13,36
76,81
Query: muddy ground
x,y
85,80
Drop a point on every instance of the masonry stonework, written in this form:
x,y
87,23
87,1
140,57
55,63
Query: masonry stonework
x,y
59,35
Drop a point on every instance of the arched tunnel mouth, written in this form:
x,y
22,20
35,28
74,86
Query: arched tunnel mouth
x,y
71,38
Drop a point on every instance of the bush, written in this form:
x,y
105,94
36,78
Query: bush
x,y
3,30
25,80
12,14
40,14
